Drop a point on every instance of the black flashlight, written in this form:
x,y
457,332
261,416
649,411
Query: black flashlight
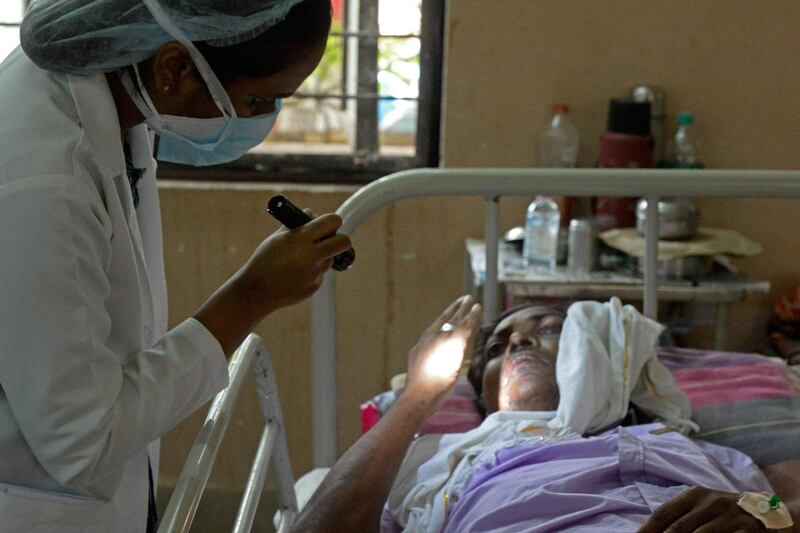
x,y
292,217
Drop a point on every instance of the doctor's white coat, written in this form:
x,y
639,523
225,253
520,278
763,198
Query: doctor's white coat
x,y
89,376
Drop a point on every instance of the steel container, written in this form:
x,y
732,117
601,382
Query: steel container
x,y
582,245
678,218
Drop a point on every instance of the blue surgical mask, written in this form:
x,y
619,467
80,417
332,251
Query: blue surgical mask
x,y
201,141
198,141
212,141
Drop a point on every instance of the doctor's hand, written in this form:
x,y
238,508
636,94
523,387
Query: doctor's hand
x,y
286,268
289,265
435,361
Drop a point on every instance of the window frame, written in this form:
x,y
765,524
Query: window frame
x,y
351,168
6,24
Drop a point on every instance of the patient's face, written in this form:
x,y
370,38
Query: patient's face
x,y
522,352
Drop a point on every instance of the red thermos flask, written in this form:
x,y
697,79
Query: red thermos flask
x,y
627,143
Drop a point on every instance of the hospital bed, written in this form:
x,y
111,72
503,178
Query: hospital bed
x,y
489,184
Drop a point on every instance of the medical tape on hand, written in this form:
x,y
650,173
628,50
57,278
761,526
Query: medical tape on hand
x,y
777,517
218,92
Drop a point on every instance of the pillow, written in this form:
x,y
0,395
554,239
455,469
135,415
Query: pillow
x,y
748,402
457,414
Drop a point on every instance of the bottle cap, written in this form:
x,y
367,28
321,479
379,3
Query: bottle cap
x,y
774,501
632,118
561,109
654,95
685,118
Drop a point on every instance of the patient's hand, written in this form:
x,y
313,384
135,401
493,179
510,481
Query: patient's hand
x,y
702,509
435,361
365,473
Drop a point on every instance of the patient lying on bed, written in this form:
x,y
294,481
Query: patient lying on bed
x,y
553,454
516,472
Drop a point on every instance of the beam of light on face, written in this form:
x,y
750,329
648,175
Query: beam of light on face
x,y
446,358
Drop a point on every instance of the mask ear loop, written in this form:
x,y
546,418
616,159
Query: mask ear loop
x,y
146,96
140,97
215,88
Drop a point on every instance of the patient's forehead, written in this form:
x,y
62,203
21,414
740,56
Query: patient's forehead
x,y
533,313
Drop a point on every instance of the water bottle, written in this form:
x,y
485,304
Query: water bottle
x,y
540,245
685,143
558,148
559,145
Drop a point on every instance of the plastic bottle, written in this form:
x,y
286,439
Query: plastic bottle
x,y
541,234
559,145
558,148
686,143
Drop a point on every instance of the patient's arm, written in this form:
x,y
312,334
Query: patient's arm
x,y
352,495
702,509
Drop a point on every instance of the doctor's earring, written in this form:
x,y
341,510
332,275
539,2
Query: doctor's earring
x,y
166,88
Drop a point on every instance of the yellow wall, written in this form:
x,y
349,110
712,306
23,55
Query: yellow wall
x,y
733,62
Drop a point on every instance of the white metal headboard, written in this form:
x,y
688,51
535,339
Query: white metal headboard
x,y
491,184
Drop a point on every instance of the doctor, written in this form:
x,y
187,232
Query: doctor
x,y
89,375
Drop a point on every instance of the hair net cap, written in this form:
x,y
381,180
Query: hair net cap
x,y
85,36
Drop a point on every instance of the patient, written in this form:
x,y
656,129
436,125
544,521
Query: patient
x,y
530,335
515,473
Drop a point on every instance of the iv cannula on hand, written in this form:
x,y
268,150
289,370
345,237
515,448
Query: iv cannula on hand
x,y
292,217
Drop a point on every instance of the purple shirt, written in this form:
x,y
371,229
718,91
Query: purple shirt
x,y
611,482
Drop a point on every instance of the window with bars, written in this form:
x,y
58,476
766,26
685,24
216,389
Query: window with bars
x,y
370,108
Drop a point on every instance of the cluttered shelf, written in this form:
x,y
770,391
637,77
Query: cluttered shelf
x,y
519,282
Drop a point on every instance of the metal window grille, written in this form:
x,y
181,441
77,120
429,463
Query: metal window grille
x,y
363,158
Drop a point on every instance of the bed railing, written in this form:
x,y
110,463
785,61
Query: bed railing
x,y
183,504
491,184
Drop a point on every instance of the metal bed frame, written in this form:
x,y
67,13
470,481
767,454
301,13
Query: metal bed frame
x,y
178,517
489,184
